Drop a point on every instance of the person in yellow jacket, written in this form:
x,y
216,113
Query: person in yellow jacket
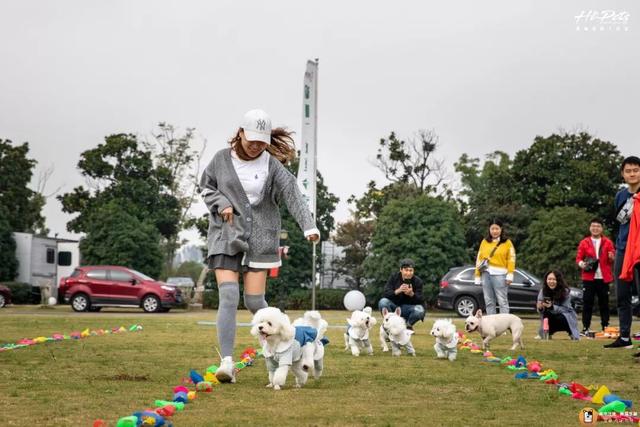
x,y
495,264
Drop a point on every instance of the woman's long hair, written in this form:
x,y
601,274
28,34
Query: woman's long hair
x,y
281,147
560,292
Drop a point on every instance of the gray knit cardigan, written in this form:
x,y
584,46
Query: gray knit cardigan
x,y
256,228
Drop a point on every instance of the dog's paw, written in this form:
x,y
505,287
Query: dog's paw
x,y
412,354
269,385
297,386
385,349
276,387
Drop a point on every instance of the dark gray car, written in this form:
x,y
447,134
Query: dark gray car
x,y
459,293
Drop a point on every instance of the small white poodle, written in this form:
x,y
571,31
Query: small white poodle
x,y
446,345
283,345
357,335
313,319
393,330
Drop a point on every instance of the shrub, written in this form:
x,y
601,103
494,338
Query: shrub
x,y
23,293
298,299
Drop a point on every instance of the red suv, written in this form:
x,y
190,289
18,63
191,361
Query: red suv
x,y
90,288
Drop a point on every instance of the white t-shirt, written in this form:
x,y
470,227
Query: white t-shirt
x,y
596,245
252,174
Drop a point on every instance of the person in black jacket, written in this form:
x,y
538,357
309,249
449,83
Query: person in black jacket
x,y
404,290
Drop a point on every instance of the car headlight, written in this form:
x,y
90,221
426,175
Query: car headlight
x,y
168,288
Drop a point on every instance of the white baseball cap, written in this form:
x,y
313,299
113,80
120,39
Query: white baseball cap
x,y
257,126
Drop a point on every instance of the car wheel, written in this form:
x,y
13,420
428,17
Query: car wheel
x,y
95,309
465,306
151,304
80,302
2,301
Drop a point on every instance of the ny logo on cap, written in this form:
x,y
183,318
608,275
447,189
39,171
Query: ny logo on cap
x,y
261,124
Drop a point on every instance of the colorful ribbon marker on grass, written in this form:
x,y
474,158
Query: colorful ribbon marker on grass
x,y
27,342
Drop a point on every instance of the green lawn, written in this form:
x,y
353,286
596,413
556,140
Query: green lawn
x,y
71,383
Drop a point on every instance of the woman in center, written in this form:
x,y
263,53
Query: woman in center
x,y
495,264
242,187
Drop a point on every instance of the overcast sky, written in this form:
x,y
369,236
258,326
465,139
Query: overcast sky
x,y
485,75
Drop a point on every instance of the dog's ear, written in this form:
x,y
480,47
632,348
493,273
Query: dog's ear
x,y
254,330
398,311
367,310
479,313
287,332
385,311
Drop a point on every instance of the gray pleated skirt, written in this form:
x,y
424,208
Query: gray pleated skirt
x,y
230,262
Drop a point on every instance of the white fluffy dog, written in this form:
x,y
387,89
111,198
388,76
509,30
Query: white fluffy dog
x,y
281,346
491,325
313,319
357,335
393,330
446,345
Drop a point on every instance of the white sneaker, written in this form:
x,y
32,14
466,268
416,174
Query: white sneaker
x,y
537,337
226,373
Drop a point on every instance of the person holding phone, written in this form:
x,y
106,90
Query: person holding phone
x,y
404,290
554,304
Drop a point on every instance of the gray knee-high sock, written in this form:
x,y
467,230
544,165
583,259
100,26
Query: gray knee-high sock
x,y
254,303
229,295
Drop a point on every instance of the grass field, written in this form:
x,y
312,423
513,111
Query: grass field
x,y
71,383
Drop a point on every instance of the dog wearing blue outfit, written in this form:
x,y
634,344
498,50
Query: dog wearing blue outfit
x,y
284,346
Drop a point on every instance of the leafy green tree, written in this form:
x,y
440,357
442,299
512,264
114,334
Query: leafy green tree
x,y
553,240
22,205
121,171
371,203
569,169
354,236
423,228
489,192
117,237
8,262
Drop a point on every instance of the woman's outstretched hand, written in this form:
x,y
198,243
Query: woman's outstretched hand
x,y
313,237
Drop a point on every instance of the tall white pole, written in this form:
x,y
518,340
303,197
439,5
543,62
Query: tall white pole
x,y
307,169
315,177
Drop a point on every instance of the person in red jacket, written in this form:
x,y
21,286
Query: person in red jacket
x,y
595,258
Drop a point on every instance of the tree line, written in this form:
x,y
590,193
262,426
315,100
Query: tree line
x,y
546,195
139,193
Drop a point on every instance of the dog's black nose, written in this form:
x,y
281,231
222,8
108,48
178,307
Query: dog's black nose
x,y
259,328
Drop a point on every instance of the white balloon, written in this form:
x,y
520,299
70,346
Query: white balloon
x,y
354,300
53,301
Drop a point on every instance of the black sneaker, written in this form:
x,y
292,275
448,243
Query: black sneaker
x,y
619,343
410,327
